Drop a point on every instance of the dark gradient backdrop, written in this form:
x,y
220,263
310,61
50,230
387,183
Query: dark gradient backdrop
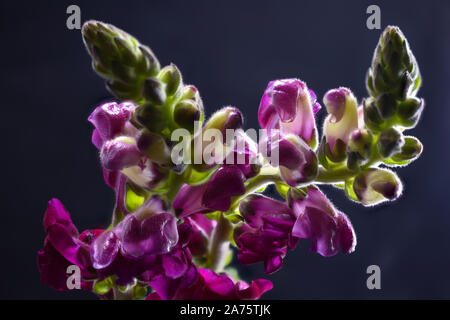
x,y
229,50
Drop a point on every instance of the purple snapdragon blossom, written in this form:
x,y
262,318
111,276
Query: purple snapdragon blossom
x,y
63,247
173,223
116,138
272,227
287,112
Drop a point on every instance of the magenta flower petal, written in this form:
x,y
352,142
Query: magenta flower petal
x,y
328,229
104,250
267,233
253,291
154,235
213,195
224,184
109,120
288,105
207,285
119,153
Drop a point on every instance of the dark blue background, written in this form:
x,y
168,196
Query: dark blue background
x,y
229,50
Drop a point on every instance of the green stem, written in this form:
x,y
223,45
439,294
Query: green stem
x,y
266,176
334,176
175,182
220,244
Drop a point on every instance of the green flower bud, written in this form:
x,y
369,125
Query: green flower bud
x,y
409,112
171,76
359,148
375,186
154,146
330,157
394,69
225,118
387,105
186,113
411,150
151,117
119,58
389,142
153,91
190,92
372,116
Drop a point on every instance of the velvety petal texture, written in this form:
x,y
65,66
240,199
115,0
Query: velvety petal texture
x,y
342,106
116,138
328,229
213,195
110,120
63,247
288,105
148,231
212,286
267,234
297,161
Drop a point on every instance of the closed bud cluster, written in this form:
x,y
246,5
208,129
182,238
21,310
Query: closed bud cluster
x,y
119,58
394,68
393,81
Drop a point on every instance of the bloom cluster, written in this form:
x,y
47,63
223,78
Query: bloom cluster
x,y
175,223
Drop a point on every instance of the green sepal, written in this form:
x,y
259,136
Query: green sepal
x,y
133,200
195,178
102,287
282,189
349,191
139,292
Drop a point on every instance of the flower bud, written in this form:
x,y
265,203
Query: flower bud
x,y
372,116
359,147
210,146
110,120
225,118
119,58
409,112
342,120
153,91
151,117
186,113
374,186
411,150
389,142
297,161
171,76
119,153
327,156
153,146
190,92
124,90
360,141
288,105
386,105
394,69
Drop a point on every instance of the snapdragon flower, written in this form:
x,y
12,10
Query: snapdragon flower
x,y
174,222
